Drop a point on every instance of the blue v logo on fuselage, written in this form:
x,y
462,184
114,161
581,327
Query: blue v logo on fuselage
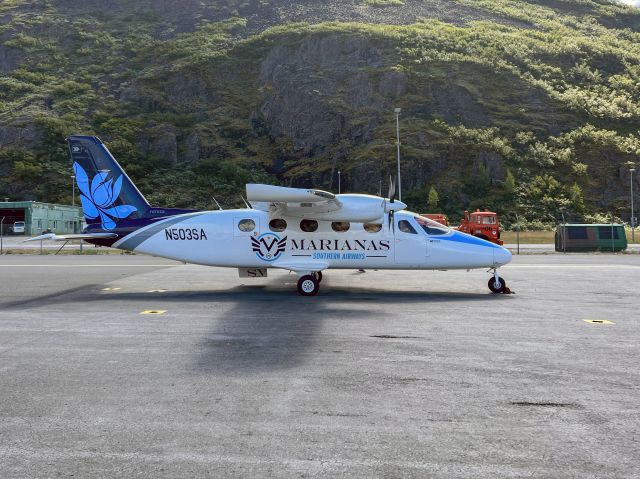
x,y
268,246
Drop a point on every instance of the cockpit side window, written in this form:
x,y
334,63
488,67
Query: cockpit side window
x,y
432,228
405,227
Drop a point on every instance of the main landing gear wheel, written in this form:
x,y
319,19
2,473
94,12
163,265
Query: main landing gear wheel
x,y
308,285
318,276
497,285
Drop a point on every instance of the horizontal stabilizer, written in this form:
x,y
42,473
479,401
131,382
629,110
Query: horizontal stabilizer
x,y
282,194
80,236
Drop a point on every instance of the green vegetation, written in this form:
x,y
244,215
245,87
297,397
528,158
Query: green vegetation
x,y
535,113
433,199
384,3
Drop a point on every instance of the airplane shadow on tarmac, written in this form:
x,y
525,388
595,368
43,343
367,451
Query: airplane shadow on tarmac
x,y
270,329
269,326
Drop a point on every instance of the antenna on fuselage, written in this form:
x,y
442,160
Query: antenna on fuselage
x,y
245,202
213,198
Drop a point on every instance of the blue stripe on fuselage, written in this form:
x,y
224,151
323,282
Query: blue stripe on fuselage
x,y
459,237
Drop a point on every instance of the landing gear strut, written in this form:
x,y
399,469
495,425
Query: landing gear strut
x,y
498,284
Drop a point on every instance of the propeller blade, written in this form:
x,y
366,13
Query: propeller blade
x,y
392,223
392,190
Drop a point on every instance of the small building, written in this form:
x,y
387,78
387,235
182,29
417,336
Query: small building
x,y
573,238
39,217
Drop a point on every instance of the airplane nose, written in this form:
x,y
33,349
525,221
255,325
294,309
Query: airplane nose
x,y
501,256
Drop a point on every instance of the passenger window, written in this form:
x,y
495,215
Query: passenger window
x,y
246,225
405,227
340,226
372,227
277,225
308,226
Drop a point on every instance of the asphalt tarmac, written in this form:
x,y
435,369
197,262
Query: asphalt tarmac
x,y
384,374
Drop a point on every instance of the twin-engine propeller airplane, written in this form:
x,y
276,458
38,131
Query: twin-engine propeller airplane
x,y
302,230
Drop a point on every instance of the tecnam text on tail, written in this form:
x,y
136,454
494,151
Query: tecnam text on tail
x,y
305,231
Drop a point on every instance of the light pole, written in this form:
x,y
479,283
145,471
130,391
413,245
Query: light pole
x,y
1,233
397,111
339,184
633,219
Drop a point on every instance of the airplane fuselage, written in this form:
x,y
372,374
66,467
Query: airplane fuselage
x,y
246,238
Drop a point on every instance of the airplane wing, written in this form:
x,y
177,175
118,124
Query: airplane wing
x,y
320,205
291,201
80,236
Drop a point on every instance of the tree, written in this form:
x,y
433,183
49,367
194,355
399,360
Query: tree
x,y
509,182
433,199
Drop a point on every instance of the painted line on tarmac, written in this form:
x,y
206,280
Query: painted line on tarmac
x,y
575,266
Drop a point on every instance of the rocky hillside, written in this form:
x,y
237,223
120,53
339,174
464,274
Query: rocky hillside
x,y
528,107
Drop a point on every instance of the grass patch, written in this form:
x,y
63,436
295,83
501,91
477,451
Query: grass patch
x,y
528,237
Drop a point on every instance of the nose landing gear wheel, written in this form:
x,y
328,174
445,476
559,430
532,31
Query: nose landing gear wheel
x,y
497,287
308,285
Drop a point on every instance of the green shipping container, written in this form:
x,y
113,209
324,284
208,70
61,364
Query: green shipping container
x,y
583,238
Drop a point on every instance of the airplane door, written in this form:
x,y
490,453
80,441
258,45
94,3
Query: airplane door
x,y
411,247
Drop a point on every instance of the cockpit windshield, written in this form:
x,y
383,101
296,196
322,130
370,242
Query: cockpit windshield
x,y
431,227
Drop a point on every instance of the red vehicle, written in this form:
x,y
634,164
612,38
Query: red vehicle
x,y
483,224
439,217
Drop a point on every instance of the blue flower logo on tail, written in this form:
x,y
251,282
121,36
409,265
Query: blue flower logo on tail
x,y
98,197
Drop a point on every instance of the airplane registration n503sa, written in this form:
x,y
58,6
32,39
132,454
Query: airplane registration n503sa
x,y
306,231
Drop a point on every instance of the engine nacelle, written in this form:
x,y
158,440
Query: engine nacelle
x,y
352,207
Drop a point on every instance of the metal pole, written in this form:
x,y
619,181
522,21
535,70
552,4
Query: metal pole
x,y
1,233
633,218
339,185
518,233
612,250
565,233
398,110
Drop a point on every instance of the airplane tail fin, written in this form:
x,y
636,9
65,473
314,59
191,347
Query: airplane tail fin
x,y
107,194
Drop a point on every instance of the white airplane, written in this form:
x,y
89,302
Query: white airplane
x,y
306,231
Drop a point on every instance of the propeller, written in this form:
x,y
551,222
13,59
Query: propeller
x,y
392,198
